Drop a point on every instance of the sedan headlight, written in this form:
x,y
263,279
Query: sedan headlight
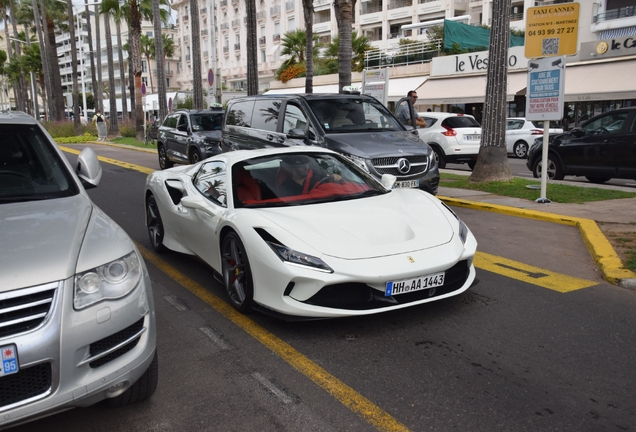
x,y
293,257
109,281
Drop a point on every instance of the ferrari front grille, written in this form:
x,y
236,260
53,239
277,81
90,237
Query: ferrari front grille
x,y
358,296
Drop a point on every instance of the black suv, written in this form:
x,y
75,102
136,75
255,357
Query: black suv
x,y
601,148
356,126
188,136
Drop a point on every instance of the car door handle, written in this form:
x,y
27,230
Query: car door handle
x,y
270,137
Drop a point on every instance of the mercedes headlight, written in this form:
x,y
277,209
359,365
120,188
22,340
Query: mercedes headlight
x,y
293,257
359,161
109,281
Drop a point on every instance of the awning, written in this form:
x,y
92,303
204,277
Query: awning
x,y
601,81
273,49
466,89
398,87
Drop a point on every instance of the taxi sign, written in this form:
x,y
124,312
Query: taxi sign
x,y
552,30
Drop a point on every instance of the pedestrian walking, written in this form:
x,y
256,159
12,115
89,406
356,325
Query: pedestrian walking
x,y
100,122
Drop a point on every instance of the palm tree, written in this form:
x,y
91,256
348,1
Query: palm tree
x,y
18,52
51,16
98,38
492,162
308,15
359,45
163,48
294,45
122,74
89,29
147,49
46,82
197,82
24,17
344,17
76,114
114,125
252,60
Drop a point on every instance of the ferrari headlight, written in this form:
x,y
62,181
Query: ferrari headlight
x,y
293,257
109,281
463,231
360,162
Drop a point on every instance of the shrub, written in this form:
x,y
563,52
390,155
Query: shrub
x,y
291,72
65,128
76,139
128,128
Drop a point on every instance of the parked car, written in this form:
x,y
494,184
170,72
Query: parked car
x,y
455,138
601,148
521,133
188,136
77,321
305,232
354,125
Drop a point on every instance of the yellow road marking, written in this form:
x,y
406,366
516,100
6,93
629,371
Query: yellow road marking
x,y
122,164
530,274
353,400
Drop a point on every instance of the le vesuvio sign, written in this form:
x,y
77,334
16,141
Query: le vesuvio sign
x,y
475,62
618,47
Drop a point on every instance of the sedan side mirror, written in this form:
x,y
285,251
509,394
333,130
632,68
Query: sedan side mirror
x,y
182,128
88,168
577,132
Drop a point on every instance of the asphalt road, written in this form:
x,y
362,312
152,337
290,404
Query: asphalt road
x,y
518,168
507,355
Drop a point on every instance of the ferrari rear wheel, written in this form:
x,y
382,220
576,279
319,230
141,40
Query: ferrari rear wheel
x,y
155,226
237,275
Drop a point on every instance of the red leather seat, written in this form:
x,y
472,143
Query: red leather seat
x,y
246,187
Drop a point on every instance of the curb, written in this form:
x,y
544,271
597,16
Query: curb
x,y
128,147
600,248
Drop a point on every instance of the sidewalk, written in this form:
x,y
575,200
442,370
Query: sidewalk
x,y
583,216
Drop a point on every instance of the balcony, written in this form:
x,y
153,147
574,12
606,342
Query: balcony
x,y
205,54
187,57
290,6
400,4
261,15
204,32
276,37
226,50
223,3
274,11
516,16
371,7
262,40
237,47
625,12
235,2
225,26
322,17
236,23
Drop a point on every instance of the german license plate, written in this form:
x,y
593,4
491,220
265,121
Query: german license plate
x,y
406,184
472,137
415,284
9,358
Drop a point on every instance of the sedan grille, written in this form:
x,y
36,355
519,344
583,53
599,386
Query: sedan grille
x,y
396,166
27,383
24,310
358,296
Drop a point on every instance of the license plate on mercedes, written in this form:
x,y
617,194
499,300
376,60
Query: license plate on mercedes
x,y
406,184
415,284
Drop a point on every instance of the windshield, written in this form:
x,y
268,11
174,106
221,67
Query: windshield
x,y
206,122
353,115
29,167
299,179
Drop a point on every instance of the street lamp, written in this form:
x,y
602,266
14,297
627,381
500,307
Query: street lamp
x,y
36,115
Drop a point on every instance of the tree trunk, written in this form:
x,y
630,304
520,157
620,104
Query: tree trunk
x,y
160,61
135,47
71,25
344,17
99,97
308,14
252,60
34,83
122,73
114,124
492,162
56,96
9,56
18,51
131,86
92,54
152,86
197,82
46,79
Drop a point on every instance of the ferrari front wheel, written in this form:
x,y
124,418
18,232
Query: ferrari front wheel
x,y
237,275
154,224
